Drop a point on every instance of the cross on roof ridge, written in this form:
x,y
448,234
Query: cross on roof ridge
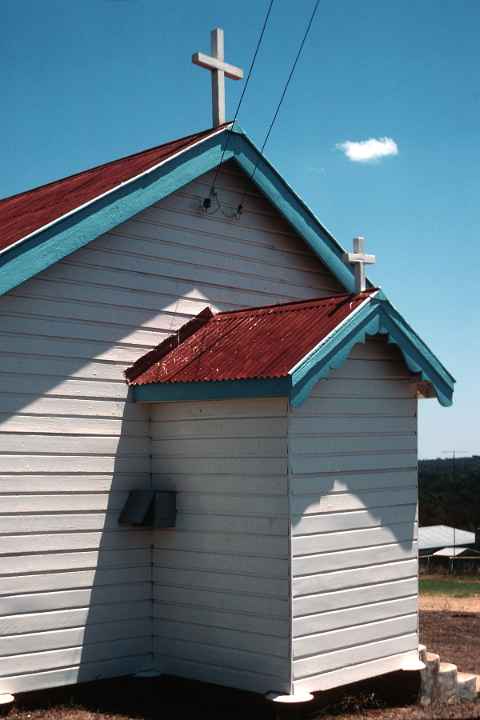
x,y
359,259
219,68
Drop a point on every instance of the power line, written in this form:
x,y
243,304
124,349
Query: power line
x,y
284,92
259,42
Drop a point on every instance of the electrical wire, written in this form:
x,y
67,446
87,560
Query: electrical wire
x,y
284,92
259,42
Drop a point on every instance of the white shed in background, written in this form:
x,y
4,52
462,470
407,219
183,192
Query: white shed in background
x,y
437,537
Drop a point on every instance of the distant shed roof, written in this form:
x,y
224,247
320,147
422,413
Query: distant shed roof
x,y
441,536
456,552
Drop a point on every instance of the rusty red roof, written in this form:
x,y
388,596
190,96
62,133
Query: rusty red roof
x,y
26,213
255,343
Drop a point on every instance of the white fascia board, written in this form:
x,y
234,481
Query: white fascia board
x,y
332,332
117,187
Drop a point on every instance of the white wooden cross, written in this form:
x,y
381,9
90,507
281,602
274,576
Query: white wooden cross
x,y
219,69
359,259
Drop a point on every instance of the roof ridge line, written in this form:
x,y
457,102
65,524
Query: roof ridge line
x,y
284,307
110,162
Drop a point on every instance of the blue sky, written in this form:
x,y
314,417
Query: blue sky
x,y
85,82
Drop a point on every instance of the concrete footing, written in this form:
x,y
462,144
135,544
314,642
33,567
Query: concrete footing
x,y
6,703
293,699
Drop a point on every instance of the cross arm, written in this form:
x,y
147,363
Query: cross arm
x,y
211,63
360,257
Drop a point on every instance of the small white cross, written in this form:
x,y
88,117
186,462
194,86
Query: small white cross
x,y
219,69
359,259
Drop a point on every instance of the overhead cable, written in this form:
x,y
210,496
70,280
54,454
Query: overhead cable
x,y
250,70
282,97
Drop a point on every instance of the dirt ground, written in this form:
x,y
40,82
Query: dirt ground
x,y
445,603
454,635
446,627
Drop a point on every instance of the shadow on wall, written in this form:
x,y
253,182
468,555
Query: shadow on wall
x,y
118,635
73,444
383,514
353,457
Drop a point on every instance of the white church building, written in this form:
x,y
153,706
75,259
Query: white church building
x,y
208,432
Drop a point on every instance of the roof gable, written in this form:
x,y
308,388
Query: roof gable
x,y
279,350
174,165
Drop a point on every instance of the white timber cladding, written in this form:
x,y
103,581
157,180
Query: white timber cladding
x,y
221,579
75,589
352,452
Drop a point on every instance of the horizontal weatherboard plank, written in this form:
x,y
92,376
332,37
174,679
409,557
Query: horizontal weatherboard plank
x,y
319,623
365,594
347,657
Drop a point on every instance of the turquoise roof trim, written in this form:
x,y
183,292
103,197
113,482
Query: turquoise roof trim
x,y
40,251
176,392
28,258
375,317
292,207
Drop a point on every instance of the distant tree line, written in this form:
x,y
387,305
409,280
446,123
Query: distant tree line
x,y
449,492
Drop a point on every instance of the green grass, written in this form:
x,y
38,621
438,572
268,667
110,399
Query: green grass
x,y
448,585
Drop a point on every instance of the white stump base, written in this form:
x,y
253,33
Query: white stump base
x,y
298,697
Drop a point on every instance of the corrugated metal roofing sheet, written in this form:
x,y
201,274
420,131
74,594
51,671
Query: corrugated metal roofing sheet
x,y
254,343
23,214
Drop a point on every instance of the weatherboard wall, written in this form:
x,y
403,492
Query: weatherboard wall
x,y
352,449
75,589
221,579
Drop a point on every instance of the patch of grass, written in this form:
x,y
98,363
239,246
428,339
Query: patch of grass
x,y
450,585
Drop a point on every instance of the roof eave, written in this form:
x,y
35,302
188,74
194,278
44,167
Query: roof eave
x,y
374,316
211,390
41,250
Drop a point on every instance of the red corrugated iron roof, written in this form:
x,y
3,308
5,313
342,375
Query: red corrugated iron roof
x,y
23,214
254,343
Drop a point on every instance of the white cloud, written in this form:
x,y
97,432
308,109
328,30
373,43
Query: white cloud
x,y
368,150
